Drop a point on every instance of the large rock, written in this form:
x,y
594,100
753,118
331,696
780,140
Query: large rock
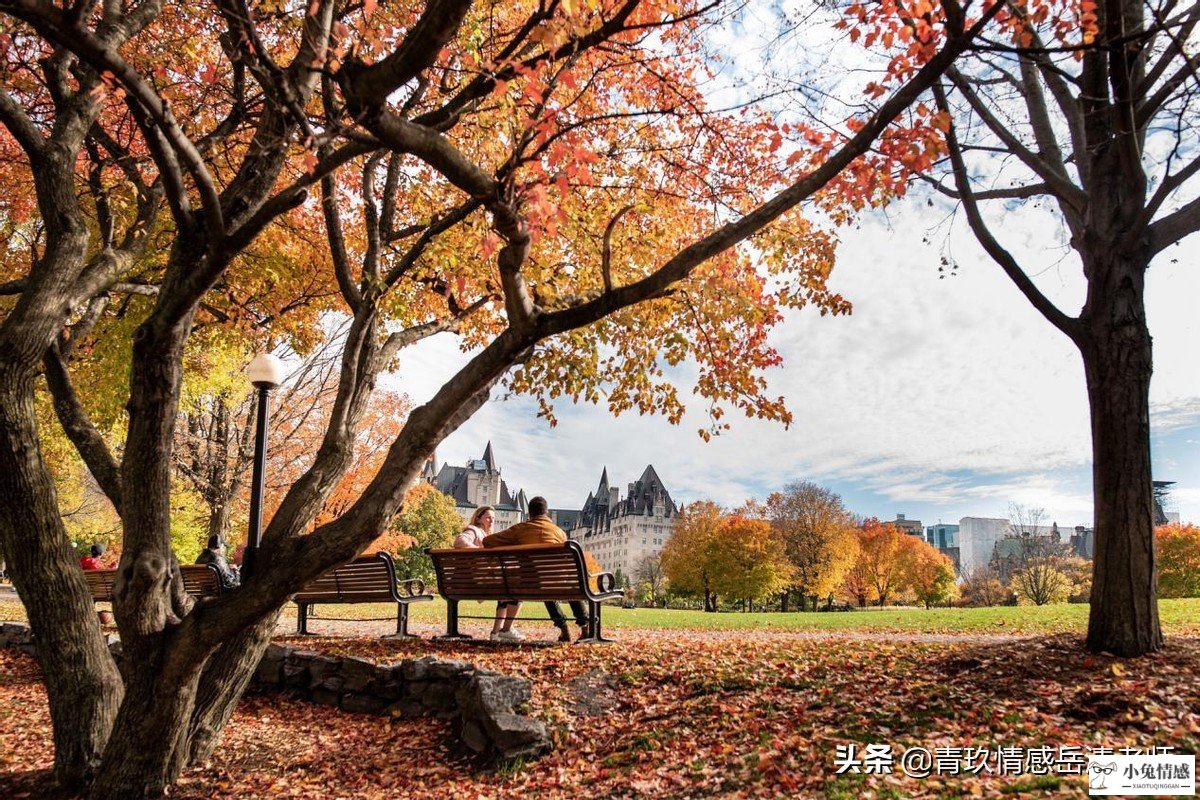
x,y
360,675
488,704
15,634
322,670
487,694
515,736
429,668
362,703
296,669
269,671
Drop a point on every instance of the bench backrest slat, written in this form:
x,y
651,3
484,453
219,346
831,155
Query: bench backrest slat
x,y
366,578
531,572
199,580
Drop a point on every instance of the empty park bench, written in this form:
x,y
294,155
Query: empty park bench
x,y
529,572
199,580
367,579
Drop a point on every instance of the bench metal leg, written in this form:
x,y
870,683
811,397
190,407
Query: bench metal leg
x,y
594,632
402,624
452,622
302,619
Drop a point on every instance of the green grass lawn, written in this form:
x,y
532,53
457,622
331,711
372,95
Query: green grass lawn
x,y
1178,616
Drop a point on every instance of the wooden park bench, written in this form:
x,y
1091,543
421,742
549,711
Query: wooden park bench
x,y
199,580
367,579
524,572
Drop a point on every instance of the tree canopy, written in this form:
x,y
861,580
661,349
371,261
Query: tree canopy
x,y
547,180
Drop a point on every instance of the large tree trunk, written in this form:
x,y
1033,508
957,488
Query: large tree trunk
x,y
1117,361
218,520
143,756
221,686
82,683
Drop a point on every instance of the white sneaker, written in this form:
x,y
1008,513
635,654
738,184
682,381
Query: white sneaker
x,y
509,636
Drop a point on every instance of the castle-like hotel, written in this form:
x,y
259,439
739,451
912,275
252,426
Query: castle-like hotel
x,y
620,533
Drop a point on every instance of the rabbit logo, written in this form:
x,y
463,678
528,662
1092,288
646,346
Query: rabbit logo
x,y
1098,773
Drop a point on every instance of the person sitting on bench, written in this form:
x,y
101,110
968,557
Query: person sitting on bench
x,y
215,554
478,529
93,561
538,529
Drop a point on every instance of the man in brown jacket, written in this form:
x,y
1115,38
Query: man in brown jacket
x,y
538,529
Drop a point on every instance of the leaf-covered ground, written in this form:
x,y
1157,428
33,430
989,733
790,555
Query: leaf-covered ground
x,y
692,714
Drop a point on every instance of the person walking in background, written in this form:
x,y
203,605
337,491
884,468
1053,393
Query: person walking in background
x,y
93,561
478,529
539,529
215,554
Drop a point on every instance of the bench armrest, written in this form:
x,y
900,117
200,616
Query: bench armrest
x,y
605,582
412,587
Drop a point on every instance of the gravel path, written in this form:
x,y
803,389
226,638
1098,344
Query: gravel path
x,y
541,633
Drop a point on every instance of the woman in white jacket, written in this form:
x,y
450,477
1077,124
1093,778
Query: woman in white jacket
x,y
472,536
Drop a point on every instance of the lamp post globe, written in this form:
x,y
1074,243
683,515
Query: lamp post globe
x,y
266,372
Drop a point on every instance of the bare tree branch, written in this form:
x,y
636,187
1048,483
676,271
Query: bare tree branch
x,y
1015,193
13,116
1066,191
79,427
1175,226
999,254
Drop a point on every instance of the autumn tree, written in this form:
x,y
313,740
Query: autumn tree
x,y
1041,582
428,519
1078,113
749,560
651,579
818,535
982,587
689,557
880,545
1032,557
546,181
1037,571
1178,560
856,587
928,573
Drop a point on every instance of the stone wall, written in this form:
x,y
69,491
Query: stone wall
x,y
483,706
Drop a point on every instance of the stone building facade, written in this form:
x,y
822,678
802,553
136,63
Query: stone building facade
x,y
622,533
478,483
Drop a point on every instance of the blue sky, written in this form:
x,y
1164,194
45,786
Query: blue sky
x,y
937,398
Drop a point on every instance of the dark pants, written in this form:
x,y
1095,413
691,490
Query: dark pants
x,y
577,608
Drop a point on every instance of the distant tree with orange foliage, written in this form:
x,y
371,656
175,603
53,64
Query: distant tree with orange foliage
x,y
1178,560
749,559
856,587
688,557
927,573
818,535
879,557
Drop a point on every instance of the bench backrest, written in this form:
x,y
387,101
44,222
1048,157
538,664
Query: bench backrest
x,y
366,579
199,580
524,572
100,583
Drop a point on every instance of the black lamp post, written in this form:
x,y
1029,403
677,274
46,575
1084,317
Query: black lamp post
x,y
266,373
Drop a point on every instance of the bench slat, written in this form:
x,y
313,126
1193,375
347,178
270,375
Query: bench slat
x,y
199,580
